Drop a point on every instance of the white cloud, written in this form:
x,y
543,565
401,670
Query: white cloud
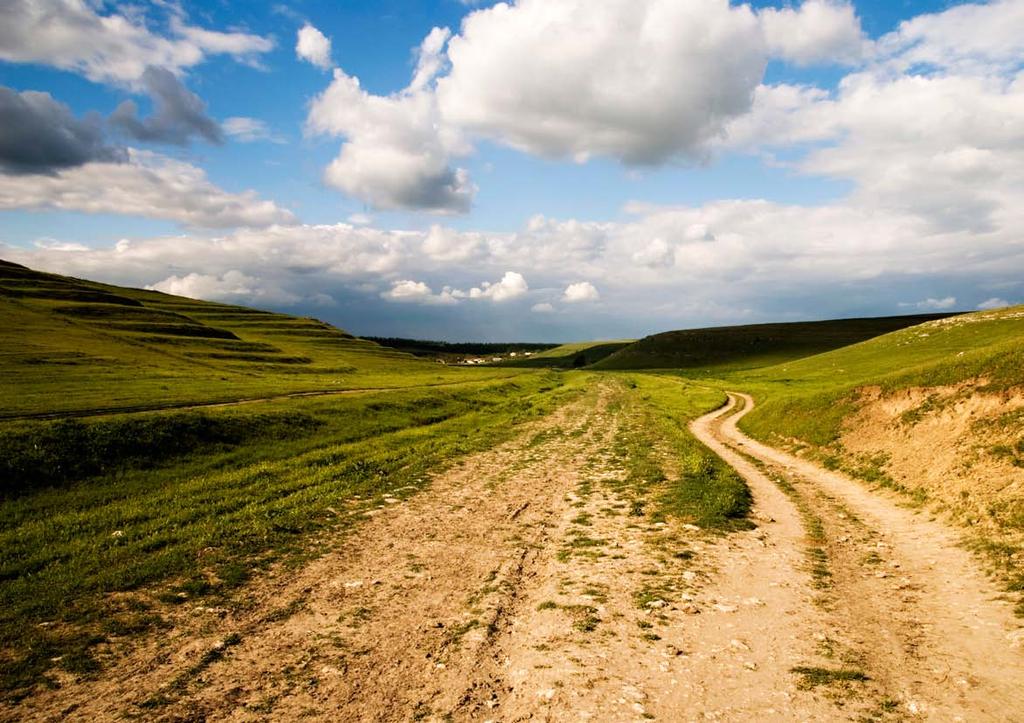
x,y
314,47
994,303
967,37
929,304
232,285
542,308
644,81
417,292
148,185
656,253
115,47
447,244
249,130
579,292
511,286
397,149
820,31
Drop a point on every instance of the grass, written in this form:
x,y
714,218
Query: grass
x,y
812,677
706,492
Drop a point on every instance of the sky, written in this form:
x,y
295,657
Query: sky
x,y
538,170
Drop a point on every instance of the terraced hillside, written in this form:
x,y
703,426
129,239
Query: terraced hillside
x,y
717,349
69,345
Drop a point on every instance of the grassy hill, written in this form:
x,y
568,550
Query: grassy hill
x,y
571,356
68,345
808,397
717,349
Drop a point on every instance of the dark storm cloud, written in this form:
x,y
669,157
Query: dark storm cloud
x,y
40,135
178,114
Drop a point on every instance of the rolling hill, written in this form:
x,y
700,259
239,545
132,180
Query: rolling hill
x,y
68,345
571,356
716,349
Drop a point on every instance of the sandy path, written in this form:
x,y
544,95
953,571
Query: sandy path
x,y
914,607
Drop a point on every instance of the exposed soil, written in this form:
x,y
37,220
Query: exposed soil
x,y
527,583
956,446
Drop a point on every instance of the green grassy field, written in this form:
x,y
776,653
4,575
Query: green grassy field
x,y
68,345
719,349
571,356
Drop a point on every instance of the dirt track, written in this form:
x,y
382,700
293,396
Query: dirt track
x,y
520,587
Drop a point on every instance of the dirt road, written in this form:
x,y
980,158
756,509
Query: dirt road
x,y
526,585
909,605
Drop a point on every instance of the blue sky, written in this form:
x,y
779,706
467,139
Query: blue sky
x,y
685,182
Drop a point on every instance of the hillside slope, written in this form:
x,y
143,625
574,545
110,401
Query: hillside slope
x,y
71,345
717,349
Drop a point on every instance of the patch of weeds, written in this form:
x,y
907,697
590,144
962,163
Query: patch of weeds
x,y
636,508
548,605
644,624
812,677
648,594
286,611
210,657
456,633
132,623
584,617
651,637
581,519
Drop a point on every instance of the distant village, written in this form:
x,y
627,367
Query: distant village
x,y
476,360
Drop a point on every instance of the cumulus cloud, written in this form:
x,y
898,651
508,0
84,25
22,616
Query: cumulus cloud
x,y
417,292
511,286
542,308
728,261
968,37
819,31
230,286
930,304
40,135
397,149
567,78
314,47
113,47
579,292
148,185
178,114
249,130
994,303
